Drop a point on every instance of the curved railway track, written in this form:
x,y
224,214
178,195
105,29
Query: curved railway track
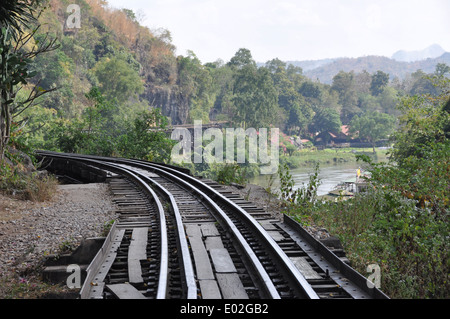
x,y
179,237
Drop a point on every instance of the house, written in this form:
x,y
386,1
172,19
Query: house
x,y
335,139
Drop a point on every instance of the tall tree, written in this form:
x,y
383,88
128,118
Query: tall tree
x,y
344,85
15,62
254,97
373,126
243,57
326,121
442,69
379,81
196,82
297,109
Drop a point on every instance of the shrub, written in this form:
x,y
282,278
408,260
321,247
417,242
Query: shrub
x,y
39,188
409,241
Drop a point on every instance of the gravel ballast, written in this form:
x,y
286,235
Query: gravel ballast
x,y
30,231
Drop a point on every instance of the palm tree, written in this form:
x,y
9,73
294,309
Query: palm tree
x,y
15,14
16,17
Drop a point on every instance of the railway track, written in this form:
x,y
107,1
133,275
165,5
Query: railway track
x,y
179,237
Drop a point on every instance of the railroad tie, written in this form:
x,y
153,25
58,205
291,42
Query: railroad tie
x,y
223,281
137,252
125,291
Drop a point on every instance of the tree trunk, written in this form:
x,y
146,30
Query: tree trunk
x,y
5,122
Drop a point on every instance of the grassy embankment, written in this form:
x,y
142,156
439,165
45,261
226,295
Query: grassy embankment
x,y
309,157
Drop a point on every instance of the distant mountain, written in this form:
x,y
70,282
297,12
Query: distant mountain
x,y
311,64
328,69
433,51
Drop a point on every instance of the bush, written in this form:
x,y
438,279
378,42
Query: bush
x,y
408,240
33,186
19,177
40,188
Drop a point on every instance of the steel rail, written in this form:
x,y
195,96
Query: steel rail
x,y
264,276
164,259
262,273
200,188
184,248
181,177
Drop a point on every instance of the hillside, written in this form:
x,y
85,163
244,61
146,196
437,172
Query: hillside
x,y
114,60
328,69
110,50
309,65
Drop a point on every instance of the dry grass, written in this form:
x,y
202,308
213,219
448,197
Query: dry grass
x,y
40,189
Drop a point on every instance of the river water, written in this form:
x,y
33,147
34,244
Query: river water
x,y
329,175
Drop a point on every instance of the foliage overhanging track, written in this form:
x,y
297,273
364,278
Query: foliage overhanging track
x,y
278,277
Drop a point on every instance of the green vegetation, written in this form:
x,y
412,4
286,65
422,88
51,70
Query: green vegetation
x,y
18,48
401,222
308,157
109,74
16,56
372,126
96,105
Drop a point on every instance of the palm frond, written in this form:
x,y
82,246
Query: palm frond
x,y
17,14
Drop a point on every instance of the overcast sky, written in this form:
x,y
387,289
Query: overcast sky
x,y
296,29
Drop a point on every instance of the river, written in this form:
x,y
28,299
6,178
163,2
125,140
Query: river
x,y
329,175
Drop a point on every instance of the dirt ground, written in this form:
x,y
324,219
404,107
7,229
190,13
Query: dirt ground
x,y
29,231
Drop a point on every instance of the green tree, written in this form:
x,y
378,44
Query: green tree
x,y
379,81
93,132
222,76
276,66
442,69
423,124
298,110
344,85
422,84
388,100
197,85
373,126
255,98
118,79
145,138
16,63
310,90
326,121
243,57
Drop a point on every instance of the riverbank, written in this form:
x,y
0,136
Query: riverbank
x,y
335,166
308,157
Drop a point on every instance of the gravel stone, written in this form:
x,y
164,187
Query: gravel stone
x,y
27,235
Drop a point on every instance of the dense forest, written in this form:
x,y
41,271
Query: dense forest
x,y
130,69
